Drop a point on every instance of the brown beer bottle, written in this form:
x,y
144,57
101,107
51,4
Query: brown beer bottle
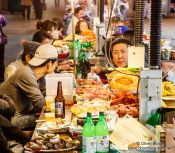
x,y
59,102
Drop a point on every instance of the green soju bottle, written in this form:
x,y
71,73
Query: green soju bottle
x,y
89,139
102,135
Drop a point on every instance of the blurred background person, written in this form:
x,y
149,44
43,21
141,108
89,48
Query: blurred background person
x,y
81,26
26,5
60,26
118,27
38,7
3,41
49,27
79,14
42,37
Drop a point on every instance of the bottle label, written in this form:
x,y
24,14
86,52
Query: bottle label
x,y
89,144
59,107
102,143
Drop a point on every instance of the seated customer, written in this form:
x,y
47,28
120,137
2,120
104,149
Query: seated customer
x,y
60,26
24,90
7,107
29,48
12,138
42,37
81,26
26,55
49,27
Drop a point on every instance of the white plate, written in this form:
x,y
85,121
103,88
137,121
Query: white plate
x,y
51,151
52,127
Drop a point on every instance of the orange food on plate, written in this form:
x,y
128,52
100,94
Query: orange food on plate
x,y
124,82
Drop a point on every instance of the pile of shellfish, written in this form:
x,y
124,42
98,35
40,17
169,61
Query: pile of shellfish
x,y
52,142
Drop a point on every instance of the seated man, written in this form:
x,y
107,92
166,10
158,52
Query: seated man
x,y
24,90
29,48
10,132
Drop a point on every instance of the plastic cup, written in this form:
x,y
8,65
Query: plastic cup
x,y
52,107
49,116
49,101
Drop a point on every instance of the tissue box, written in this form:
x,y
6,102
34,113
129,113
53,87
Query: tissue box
x,y
67,85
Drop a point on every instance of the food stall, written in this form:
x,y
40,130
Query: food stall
x,y
129,99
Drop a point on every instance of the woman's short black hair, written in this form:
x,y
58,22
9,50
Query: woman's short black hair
x,y
40,35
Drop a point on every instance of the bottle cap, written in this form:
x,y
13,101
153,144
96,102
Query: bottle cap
x,y
101,113
88,114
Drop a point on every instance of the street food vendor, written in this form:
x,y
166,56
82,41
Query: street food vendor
x,y
22,87
119,54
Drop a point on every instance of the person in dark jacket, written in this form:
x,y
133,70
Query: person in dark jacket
x,y
7,107
10,132
3,41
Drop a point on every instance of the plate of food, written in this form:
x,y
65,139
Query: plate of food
x,y
170,98
52,143
124,82
57,125
168,91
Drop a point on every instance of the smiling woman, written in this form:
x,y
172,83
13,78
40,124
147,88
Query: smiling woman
x,y
81,26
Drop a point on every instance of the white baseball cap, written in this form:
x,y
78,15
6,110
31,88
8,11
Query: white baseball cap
x,y
43,53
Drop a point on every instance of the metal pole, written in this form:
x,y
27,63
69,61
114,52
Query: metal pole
x,y
139,23
155,34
